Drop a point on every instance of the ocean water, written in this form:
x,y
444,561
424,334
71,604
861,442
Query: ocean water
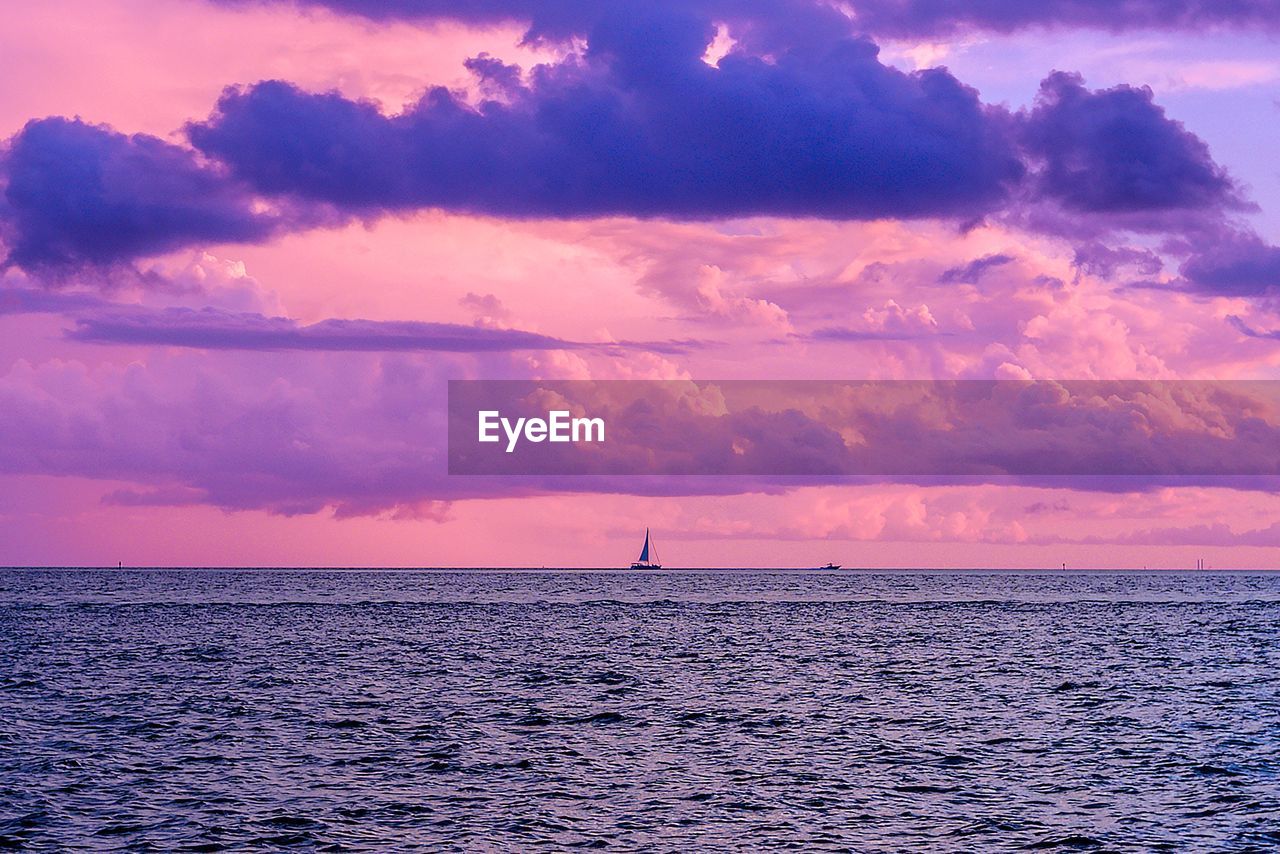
x,y
914,710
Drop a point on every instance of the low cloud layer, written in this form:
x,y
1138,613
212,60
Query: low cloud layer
x,y
100,321
979,429
212,329
364,435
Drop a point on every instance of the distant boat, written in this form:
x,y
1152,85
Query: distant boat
x,y
829,565
648,555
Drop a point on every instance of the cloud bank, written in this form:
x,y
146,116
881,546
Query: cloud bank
x,y
894,18
638,125
213,329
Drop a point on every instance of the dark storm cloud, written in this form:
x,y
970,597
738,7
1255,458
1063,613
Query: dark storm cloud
x,y
762,23
900,18
637,125
640,127
1115,151
1238,265
77,193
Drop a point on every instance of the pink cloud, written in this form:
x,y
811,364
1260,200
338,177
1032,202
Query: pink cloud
x,y
138,448
149,65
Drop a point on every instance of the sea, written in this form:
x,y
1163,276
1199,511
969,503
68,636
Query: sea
x,y
913,710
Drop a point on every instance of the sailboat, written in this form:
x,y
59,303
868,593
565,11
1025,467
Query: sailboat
x,y
648,555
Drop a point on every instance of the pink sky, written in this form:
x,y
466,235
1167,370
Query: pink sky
x,y
154,455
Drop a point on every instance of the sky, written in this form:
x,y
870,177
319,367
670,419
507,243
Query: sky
x,y
247,243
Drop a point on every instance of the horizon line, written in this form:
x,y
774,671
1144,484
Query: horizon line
x,y
625,569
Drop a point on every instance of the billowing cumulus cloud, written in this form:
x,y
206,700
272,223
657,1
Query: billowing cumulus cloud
x,y
767,23
640,126
76,193
637,124
881,17
1115,151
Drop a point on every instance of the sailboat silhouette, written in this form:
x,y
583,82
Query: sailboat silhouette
x,y
648,555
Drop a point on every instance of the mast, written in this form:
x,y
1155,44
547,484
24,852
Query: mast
x,y
648,555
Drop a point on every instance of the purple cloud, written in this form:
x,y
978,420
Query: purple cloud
x,y
763,23
850,333
640,126
973,271
213,329
77,193
1142,431
364,434
351,433
1097,259
827,132
931,17
903,18
1114,151
35,301
100,321
1245,329
1238,265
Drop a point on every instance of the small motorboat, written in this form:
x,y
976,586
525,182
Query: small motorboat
x,y
829,565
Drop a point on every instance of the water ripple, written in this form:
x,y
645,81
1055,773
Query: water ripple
x,y
729,711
